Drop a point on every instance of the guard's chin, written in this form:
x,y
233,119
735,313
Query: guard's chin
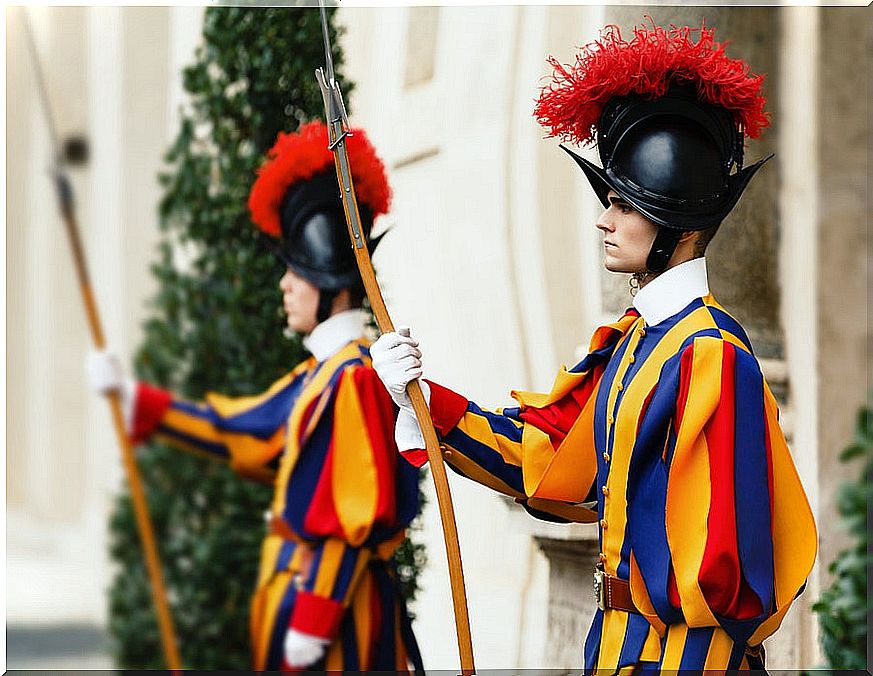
x,y
617,267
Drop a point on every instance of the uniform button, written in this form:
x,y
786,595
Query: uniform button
x,y
610,420
604,490
642,332
619,387
605,456
632,359
602,557
603,524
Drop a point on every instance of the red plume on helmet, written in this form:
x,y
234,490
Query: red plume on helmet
x,y
569,106
301,155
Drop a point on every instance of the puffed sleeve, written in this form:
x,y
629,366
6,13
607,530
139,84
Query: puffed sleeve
x,y
246,432
739,528
344,491
541,452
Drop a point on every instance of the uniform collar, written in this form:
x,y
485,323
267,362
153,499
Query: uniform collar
x,y
672,290
334,333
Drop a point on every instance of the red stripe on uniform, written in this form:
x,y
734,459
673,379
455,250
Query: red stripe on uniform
x,y
321,517
720,569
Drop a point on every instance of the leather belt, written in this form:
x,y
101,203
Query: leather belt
x,y
278,526
612,593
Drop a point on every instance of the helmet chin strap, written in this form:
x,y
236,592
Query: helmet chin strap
x,y
325,304
662,249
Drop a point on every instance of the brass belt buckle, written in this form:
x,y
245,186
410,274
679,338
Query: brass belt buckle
x,y
600,586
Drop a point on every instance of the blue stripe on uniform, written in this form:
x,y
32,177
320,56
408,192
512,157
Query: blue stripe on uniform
x,y
499,424
487,458
307,471
276,651
218,450
752,490
634,638
696,648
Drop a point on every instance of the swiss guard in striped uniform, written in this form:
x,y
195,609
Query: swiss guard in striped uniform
x,y
327,596
666,433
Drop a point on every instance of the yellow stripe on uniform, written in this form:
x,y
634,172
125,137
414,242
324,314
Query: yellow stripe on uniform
x,y
623,429
328,567
571,469
191,425
720,647
270,549
795,539
354,479
674,646
250,454
333,660
478,427
651,651
612,639
362,612
272,596
177,443
643,602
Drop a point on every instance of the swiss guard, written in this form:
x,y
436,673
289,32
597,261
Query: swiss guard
x,y
667,433
327,597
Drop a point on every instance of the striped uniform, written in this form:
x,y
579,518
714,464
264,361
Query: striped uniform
x,y
674,433
323,435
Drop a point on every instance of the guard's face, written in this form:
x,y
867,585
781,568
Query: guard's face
x,y
627,236
300,300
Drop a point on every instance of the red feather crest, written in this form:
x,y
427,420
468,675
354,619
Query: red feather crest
x,y
570,105
299,156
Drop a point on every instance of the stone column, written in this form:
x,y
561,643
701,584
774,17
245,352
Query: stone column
x,y
571,598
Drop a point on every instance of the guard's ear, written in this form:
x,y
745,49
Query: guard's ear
x,y
688,235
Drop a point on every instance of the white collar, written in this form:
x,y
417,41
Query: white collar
x,y
334,333
672,290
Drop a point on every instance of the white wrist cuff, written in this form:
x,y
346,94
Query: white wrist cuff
x,y
127,393
407,432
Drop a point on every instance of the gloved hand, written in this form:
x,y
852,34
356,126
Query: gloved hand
x,y
303,650
105,375
397,362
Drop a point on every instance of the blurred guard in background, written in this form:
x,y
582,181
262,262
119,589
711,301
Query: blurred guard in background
x,y
327,595
666,433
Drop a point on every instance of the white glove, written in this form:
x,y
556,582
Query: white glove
x,y
105,375
301,649
397,362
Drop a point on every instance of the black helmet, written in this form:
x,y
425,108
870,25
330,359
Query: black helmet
x,y
296,202
315,241
666,148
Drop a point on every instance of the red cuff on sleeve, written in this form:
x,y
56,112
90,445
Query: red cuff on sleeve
x,y
149,406
446,408
417,457
316,615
